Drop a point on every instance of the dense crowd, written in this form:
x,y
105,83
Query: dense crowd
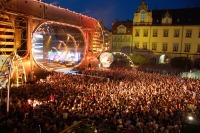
x,y
126,99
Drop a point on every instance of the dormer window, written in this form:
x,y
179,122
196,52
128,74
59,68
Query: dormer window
x,y
142,14
167,19
121,29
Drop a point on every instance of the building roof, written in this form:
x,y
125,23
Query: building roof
x,y
184,16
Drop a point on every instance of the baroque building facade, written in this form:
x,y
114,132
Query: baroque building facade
x,y
164,34
159,34
121,40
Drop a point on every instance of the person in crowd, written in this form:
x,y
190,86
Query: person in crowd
x,y
131,101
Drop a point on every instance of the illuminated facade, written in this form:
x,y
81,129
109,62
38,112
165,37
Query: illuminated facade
x,y
168,33
122,36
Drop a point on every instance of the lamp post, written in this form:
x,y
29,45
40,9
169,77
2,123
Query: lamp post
x,y
8,87
3,83
6,72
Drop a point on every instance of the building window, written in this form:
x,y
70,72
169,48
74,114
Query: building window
x,y
142,13
145,34
188,33
199,33
137,32
115,39
187,47
128,39
167,18
123,38
165,33
164,48
155,33
175,47
114,45
145,45
136,45
154,46
198,48
176,33
119,39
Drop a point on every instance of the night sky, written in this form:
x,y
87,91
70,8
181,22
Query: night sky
x,y
110,10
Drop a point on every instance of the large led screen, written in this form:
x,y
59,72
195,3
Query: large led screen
x,y
56,46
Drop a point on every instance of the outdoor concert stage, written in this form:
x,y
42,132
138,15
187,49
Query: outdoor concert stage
x,y
44,35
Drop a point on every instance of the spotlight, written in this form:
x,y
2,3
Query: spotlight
x,y
190,118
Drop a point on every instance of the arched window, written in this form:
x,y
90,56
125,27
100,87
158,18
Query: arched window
x,y
21,36
142,14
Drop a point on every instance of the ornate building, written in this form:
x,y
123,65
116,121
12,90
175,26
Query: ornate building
x,y
167,33
122,36
107,37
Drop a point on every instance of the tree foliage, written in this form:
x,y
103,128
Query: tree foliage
x,y
181,62
139,59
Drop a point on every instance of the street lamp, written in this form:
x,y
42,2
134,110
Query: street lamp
x,y
190,118
8,86
4,72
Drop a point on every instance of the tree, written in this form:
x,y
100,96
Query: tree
x,y
181,62
139,59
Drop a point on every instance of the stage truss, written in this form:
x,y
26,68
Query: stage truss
x,y
19,69
9,47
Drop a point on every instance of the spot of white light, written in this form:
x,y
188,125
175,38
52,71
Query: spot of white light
x,y
190,118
